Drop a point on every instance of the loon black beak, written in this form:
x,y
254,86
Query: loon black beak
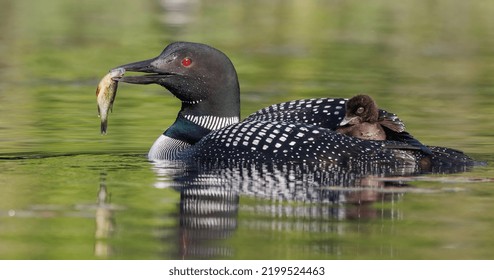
x,y
145,66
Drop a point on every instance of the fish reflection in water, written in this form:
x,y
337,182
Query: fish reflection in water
x,y
280,198
105,221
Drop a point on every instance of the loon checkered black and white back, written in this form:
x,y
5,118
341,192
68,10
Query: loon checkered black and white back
x,y
208,126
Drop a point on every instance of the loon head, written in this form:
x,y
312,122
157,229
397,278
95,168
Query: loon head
x,y
202,77
359,109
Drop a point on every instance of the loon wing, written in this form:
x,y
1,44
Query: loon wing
x,y
391,121
283,142
322,112
407,138
328,113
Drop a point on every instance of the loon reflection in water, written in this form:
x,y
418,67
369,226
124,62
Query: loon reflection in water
x,y
211,199
207,128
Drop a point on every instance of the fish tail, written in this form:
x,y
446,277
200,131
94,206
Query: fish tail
x,y
104,124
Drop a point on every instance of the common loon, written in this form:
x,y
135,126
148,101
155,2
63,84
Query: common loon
x,y
208,126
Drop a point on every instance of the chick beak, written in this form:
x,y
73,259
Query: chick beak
x,y
347,121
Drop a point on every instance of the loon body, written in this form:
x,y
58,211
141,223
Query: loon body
x,y
207,127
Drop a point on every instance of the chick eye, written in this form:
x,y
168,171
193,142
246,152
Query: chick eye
x,y
360,110
186,62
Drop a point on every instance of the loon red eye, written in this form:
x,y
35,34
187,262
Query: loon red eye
x,y
186,62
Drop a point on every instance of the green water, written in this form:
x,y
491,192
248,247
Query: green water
x,y
69,193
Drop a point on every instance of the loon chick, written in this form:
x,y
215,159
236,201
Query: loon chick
x,y
208,128
362,120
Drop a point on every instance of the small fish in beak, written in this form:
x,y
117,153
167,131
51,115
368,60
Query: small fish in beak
x,y
106,93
